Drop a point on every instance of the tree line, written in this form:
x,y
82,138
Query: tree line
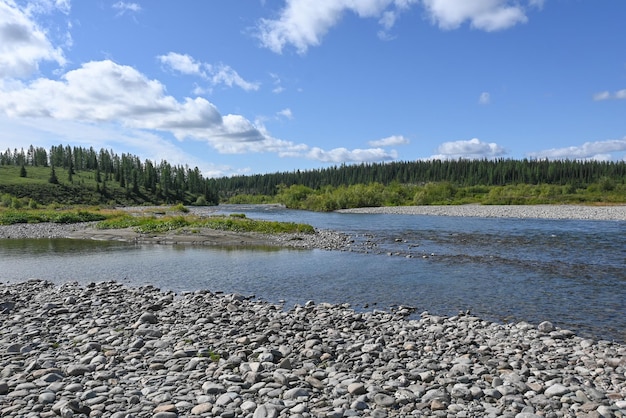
x,y
145,180
501,172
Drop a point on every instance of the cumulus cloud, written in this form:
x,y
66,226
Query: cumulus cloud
x,y
487,15
469,149
343,155
23,44
597,150
389,141
214,74
484,98
303,23
105,93
181,63
606,95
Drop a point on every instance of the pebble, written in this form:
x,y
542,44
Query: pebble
x,y
208,354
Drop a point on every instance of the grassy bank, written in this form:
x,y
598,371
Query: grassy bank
x,y
156,221
234,222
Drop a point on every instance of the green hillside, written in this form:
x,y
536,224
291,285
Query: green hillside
x,y
82,176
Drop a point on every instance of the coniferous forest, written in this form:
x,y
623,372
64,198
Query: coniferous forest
x,y
79,175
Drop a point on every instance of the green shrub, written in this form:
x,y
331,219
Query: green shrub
x,y
180,208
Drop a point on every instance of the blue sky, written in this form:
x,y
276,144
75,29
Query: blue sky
x,y
257,86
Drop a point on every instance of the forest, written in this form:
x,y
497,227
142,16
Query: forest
x,y
95,177
80,175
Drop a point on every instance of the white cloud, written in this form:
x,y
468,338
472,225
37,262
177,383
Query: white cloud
x,y
285,113
343,155
182,63
23,44
606,95
223,74
106,91
106,94
33,7
389,141
536,3
597,150
484,99
122,7
103,91
278,88
470,149
488,15
214,74
303,23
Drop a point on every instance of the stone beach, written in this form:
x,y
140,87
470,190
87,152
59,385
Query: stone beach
x,y
107,350
596,213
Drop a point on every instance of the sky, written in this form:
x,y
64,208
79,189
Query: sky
x,y
260,86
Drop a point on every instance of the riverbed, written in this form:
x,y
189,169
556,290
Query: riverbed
x,y
569,271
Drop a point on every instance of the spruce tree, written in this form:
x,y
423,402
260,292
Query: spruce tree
x,y
53,176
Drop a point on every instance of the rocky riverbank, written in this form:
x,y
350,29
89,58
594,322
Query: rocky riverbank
x,y
114,351
597,213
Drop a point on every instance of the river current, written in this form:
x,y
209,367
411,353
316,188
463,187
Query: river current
x,y
569,272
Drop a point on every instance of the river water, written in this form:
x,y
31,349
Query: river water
x,y
569,272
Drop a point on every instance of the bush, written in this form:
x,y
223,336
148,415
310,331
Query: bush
x,y
435,193
6,200
200,201
180,208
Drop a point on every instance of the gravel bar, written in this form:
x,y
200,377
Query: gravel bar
x,y
598,213
42,230
320,239
107,350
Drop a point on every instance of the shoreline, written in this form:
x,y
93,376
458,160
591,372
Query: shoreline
x,y
321,239
111,350
572,212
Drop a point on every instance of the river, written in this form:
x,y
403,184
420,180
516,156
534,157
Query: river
x,y
569,272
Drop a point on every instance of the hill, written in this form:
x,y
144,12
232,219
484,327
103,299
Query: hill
x,y
68,175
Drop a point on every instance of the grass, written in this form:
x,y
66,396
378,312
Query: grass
x,y
152,224
62,216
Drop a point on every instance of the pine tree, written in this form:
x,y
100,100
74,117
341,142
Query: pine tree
x,y
23,171
53,177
